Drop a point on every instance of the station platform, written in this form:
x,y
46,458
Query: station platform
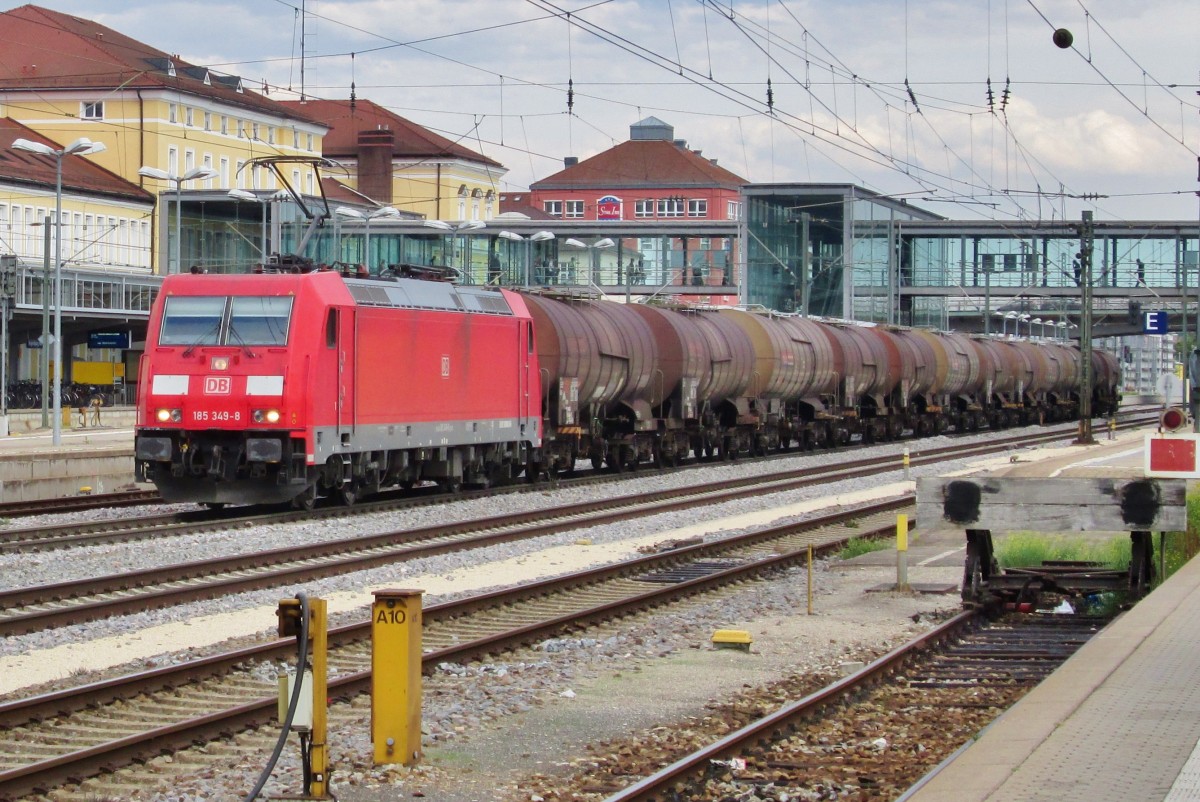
x,y
1118,722
96,458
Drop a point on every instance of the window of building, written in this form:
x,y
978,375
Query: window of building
x,y
224,171
89,247
189,116
670,207
270,135
295,139
553,208
574,209
254,132
241,174
172,113
698,207
224,125
208,121
733,211
208,162
92,111
173,160
189,159
643,208
309,143
241,129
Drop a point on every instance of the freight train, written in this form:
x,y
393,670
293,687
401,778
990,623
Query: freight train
x,y
291,386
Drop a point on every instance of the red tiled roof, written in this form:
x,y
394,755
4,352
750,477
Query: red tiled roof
x,y
78,174
642,163
345,121
520,202
46,50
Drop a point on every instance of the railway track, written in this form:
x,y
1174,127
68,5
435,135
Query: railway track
x,y
26,538
869,736
64,736
74,535
96,501
36,608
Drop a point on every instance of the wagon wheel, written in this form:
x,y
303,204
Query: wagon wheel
x,y
347,494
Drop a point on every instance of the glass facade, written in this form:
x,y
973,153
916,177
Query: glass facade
x,y
843,229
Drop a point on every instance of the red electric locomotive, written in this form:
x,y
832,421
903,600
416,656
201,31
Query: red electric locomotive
x,y
290,386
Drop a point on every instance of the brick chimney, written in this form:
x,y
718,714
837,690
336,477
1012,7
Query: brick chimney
x,y
375,164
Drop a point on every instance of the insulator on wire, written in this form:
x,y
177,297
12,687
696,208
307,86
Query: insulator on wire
x,y
770,98
570,95
1005,95
991,98
911,95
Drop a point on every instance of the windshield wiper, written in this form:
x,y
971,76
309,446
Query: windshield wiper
x,y
233,334
214,329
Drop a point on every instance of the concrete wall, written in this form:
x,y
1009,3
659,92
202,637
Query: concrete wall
x,y
26,476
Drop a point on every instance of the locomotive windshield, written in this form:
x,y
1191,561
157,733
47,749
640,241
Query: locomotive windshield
x,y
222,320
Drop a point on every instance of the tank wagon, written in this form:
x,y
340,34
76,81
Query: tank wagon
x,y
291,386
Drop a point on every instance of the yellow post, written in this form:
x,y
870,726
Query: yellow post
x,y
901,552
318,628
1112,428
396,676
906,462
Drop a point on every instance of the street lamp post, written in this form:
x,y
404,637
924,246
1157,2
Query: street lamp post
x,y
177,180
367,217
80,147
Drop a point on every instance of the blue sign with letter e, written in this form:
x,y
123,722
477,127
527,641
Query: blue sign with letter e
x,y
1154,323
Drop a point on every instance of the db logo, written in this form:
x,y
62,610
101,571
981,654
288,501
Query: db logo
x,y
217,385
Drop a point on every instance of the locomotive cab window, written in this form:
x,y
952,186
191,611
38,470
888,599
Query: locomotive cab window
x,y
255,320
192,321
240,320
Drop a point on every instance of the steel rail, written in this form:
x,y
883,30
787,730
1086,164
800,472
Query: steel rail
x,y
50,772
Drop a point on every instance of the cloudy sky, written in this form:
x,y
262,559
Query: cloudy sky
x,y
892,95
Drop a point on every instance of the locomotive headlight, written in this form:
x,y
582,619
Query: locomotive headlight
x,y
266,416
169,415
219,363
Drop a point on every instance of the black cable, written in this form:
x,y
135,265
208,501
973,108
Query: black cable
x,y
301,662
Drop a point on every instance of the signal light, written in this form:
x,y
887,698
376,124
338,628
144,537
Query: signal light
x,y
1172,419
169,415
265,416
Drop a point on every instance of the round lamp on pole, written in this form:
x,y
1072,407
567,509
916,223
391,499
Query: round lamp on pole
x,y
162,175
80,147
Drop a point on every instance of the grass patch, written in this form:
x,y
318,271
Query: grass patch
x,y
1031,549
858,546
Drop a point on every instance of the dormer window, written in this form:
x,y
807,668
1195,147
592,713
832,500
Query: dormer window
x,y
207,79
92,111
170,68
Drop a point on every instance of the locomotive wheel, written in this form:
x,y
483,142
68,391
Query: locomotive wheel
x,y
307,499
